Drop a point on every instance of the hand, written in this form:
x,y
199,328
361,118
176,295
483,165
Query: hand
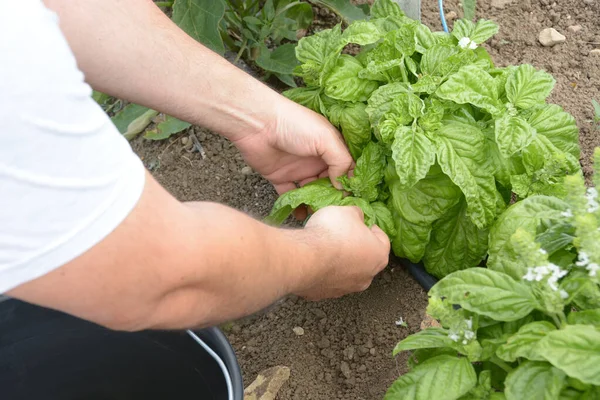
x,y
299,145
352,254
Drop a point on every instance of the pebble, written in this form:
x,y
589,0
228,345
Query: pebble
x,y
574,28
298,330
501,3
451,16
345,368
319,313
247,170
373,351
595,53
349,352
185,140
550,36
362,350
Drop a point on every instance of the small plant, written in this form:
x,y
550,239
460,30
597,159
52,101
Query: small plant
x,y
528,326
443,140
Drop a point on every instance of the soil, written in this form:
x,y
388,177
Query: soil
x,y
345,350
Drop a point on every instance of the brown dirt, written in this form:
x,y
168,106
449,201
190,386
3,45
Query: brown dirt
x,y
345,352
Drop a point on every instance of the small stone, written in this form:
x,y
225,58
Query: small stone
x,y
319,313
267,384
362,368
349,352
451,16
298,330
373,351
362,351
501,3
595,53
345,368
185,140
550,36
574,28
247,170
323,343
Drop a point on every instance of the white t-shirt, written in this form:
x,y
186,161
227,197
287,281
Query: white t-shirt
x,y
67,176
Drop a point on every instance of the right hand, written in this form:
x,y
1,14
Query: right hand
x,y
352,253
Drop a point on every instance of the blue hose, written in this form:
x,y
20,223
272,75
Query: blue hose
x,y
442,16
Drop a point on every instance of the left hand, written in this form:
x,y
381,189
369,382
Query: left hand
x,y
299,145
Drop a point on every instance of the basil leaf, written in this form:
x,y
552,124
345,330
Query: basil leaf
x,y
534,380
523,343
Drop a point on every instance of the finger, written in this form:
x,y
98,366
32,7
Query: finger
x,y
308,180
359,212
381,235
281,188
336,155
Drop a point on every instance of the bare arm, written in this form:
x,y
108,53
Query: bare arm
x,y
175,265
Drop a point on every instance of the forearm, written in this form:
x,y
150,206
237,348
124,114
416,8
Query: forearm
x,y
173,265
131,50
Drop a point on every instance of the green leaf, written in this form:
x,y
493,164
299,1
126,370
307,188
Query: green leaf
x,y
368,173
344,9
419,356
479,32
133,119
200,19
575,349
166,128
534,380
527,215
456,243
384,219
585,317
365,206
425,339
362,33
523,343
423,382
469,9
527,88
410,240
315,196
472,85
558,126
413,153
483,390
428,200
343,83
486,292
445,59
382,100
307,96
460,149
424,38
282,60
353,121
385,8
513,134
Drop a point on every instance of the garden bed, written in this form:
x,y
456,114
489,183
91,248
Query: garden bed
x,y
345,350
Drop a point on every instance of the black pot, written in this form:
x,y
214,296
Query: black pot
x,y
45,354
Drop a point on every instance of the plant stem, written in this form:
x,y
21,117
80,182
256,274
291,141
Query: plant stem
x,y
501,363
403,71
164,3
239,54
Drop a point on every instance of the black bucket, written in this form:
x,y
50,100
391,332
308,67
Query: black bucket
x,y
49,355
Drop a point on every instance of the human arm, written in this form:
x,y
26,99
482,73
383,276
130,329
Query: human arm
x,y
131,50
178,265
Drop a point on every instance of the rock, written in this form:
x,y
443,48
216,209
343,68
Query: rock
x,y
451,16
550,36
345,368
429,322
299,331
323,343
501,3
247,170
267,384
185,140
574,28
373,351
349,352
595,53
362,351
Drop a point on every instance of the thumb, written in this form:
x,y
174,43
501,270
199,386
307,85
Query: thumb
x,y
335,154
381,235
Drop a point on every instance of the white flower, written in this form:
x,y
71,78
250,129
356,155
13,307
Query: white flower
x,y
401,322
583,258
539,273
465,342
567,214
469,335
472,45
593,268
529,276
591,196
454,336
544,252
469,322
564,294
464,42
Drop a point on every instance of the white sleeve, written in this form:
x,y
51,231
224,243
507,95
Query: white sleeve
x,y
67,177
